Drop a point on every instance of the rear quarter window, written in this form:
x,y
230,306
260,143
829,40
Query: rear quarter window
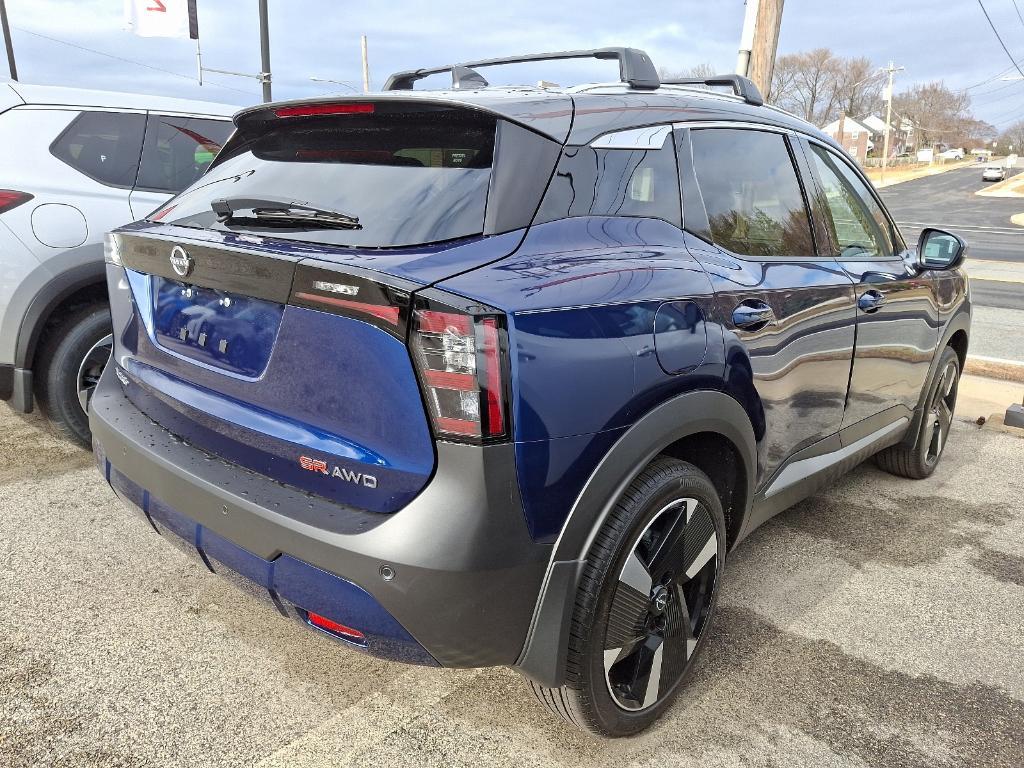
x,y
614,182
105,146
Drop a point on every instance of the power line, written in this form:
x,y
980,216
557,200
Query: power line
x,y
121,58
1000,39
983,97
988,80
1017,9
1014,113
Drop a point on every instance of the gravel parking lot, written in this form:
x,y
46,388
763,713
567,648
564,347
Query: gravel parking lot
x,y
880,623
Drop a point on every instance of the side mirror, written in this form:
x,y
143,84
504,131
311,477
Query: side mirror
x,y
937,249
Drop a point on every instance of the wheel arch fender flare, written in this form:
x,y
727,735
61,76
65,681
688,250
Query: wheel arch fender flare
x,y
961,321
79,274
544,653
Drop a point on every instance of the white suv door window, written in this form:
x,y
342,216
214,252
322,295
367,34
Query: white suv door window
x,y
178,150
105,146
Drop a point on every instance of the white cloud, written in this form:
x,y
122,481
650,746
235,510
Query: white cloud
x,y
948,41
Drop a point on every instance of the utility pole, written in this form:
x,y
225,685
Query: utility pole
x,y
760,41
892,69
7,40
366,65
265,51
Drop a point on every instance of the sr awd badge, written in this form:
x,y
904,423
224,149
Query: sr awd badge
x,y
357,478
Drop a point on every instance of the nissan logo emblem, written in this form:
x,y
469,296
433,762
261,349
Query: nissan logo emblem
x,y
181,262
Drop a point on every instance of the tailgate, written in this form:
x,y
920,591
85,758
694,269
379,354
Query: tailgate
x,y
292,367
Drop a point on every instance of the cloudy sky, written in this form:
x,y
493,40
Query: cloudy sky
x,y
948,40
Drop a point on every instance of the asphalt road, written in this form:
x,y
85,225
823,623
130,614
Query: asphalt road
x,y
880,623
989,293
947,200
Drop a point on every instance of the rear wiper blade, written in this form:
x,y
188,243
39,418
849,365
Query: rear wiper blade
x,y
282,211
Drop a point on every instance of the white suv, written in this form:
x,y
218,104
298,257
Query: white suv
x,y
76,164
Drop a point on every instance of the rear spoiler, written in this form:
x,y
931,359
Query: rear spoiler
x,y
548,114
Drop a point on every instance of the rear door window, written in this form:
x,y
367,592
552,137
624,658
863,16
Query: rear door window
x,y
410,177
750,189
105,146
178,150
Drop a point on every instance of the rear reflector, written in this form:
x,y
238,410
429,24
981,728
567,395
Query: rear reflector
x,y
10,198
332,626
310,110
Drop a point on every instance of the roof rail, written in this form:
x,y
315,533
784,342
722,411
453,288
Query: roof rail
x,y
635,68
740,85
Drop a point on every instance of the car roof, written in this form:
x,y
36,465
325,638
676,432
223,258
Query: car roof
x,y
580,114
86,97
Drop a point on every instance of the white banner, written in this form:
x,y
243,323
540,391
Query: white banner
x,y
161,18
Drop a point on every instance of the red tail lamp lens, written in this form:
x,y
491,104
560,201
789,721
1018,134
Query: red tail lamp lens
x,y
491,353
459,357
332,626
387,314
10,198
311,110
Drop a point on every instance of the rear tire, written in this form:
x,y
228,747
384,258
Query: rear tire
x,y
645,603
920,460
71,360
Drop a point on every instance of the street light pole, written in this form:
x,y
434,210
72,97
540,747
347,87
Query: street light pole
x,y
265,51
892,69
7,40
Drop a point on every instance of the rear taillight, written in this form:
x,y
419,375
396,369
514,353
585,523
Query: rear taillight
x,y
462,362
10,198
385,305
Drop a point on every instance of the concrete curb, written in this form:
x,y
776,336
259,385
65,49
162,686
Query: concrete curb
x,y
995,368
995,423
1005,188
913,175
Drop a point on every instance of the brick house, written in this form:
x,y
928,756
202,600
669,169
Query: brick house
x,y
856,138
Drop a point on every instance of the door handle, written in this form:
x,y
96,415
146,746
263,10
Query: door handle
x,y
871,301
752,315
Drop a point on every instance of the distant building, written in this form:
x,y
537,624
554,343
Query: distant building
x,y
867,134
856,138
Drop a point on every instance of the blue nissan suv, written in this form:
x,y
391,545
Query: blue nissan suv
x,y
500,376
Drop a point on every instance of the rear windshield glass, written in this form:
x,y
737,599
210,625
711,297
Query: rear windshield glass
x,y
409,177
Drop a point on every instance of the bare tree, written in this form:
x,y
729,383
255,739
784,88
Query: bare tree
x,y
1012,138
783,80
859,86
806,84
702,71
938,113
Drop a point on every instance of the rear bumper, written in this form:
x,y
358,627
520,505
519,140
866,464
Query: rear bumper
x,y
467,574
